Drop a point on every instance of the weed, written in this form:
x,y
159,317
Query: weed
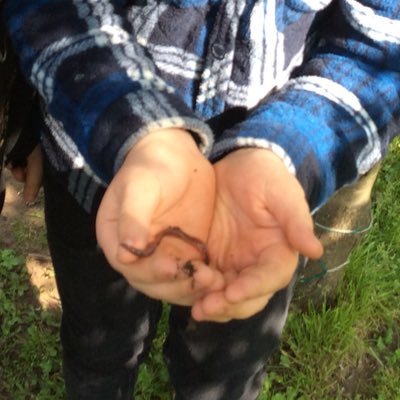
x,y
327,352
29,233
30,361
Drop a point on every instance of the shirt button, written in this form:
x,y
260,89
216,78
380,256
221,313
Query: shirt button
x,y
218,51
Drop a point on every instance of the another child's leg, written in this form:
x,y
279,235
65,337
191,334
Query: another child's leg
x,y
211,361
106,325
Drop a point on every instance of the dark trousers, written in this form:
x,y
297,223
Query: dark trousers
x,y
107,326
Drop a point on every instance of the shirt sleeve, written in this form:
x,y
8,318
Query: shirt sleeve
x,y
96,81
335,117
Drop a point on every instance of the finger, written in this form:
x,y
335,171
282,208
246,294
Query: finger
x,y
249,308
18,173
217,309
305,242
186,291
207,278
34,175
152,270
181,292
212,307
293,215
273,272
160,269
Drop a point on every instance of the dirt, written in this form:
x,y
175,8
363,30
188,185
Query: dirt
x,y
22,230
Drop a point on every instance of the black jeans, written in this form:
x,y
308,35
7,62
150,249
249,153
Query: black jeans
x,y
107,326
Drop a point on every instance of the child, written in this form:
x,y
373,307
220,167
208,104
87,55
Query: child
x,y
290,100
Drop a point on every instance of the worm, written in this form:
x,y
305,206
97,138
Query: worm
x,y
170,231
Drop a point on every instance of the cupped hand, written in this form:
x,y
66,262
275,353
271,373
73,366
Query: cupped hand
x,y
164,182
261,224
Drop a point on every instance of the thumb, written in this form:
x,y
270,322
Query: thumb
x,y
302,238
18,173
34,175
138,203
294,217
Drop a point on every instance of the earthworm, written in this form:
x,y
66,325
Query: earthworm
x,y
170,231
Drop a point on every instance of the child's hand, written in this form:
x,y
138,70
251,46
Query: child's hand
x,y
261,223
30,174
164,181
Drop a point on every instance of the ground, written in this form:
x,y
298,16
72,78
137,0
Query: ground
x,y
22,229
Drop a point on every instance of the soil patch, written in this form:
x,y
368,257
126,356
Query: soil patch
x,y
22,229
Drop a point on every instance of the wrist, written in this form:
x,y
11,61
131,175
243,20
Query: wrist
x,y
171,138
258,156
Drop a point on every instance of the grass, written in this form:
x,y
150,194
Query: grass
x,y
351,349
30,349
346,350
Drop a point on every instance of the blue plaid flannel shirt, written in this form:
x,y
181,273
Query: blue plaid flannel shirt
x,y
315,81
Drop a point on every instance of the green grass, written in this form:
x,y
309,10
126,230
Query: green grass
x,y
28,231
351,349
153,382
30,348
346,350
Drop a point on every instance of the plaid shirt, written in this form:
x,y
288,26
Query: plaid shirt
x,y
315,81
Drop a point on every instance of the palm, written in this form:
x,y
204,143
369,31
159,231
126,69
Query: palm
x,y
252,238
162,183
249,228
261,223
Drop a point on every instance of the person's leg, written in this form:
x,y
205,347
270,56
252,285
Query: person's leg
x,y
106,325
212,361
